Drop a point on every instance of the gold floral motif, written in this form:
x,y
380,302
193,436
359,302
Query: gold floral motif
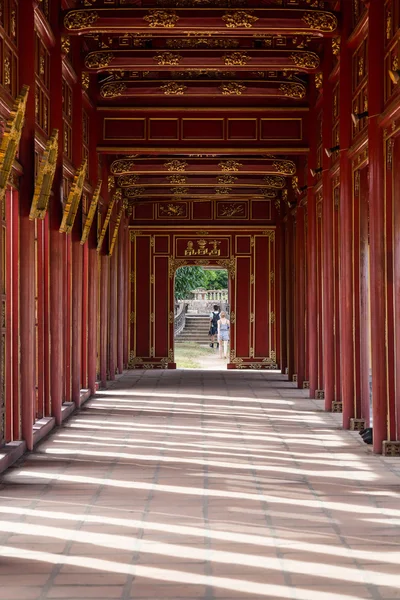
x,y
336,46
73,200
92,211
177,179
177,191
292,90
201,41
171,352
112,89
321,21
167,58
172,210
305,60
226,179
11,138
360,66
232,89
229,264
98,60
230,165
287,167
128,180
319,80
275,181
85,81
232,210
110,183
176,165
122,165
44,179
224,191
65,44
388,25
232,318
173,88
162,18
7,71
266,193
134,192
80,19
239,18
236,59
13,24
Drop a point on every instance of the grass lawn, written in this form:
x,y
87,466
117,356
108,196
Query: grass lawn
x,y
187,353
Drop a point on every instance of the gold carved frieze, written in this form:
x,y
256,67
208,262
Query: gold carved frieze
x,y
73,199
320,21
226,179
161,18
122,165
177,179
112,89
223,191
125,181
239,18
172,210
234,210
201,41
230,265
230,165
44,178
267,193
172,88
232,88
286,167
176,165
292,90
98,60
80,19
234,59
92,211
134,192
305,60
274,181
11,138
167,58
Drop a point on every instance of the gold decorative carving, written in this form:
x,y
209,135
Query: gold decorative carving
x,y
167,58
239,18
229,264
11,138
230,165
80,19
115,232
202,248
232,318
44,179
275,181
98,60
305,60
7,71
177,191
112,89
73,200
110,182
115,198
122,165
319,79
134,192
171,318
172,88
320,21
172,210
85,79
360,66
176,165
292,90
388,25
232,88
236,59
171,352
336,46
201,41
65,44
132,317
287,167
226,179
162,18
223,191
177,179
232,210
128,180
92,211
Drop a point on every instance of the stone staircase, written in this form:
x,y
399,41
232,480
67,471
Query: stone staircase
x,y
195,330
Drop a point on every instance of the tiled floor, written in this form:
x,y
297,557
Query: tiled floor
x,y
201,485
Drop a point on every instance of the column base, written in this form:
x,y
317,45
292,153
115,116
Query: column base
x,y
357,424
306,385
319,394
337,407
294,378
391,449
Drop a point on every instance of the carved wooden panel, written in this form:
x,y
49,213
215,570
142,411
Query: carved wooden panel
x,y
9,47
42,85
67,119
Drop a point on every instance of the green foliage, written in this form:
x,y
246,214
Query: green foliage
x,y
216,279
188,279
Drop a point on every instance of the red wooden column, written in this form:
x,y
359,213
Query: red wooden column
x,y
104,294
127,259
281,261
27,228
56,238
312,295
346,224
300,297
376,33
76,249
113,325
289,284
328,314
121,294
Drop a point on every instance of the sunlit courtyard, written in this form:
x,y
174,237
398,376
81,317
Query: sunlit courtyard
x,y
201,485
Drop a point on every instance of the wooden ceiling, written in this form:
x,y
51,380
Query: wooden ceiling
x,y
202,83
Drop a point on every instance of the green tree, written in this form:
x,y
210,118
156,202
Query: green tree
x,y
215,279
188,279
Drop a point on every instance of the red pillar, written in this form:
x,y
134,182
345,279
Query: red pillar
x,y
92,311
104,289
121,295
376,33
289,271
281,263
300,297
328,342
346,224
112,365
27,229
127,248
